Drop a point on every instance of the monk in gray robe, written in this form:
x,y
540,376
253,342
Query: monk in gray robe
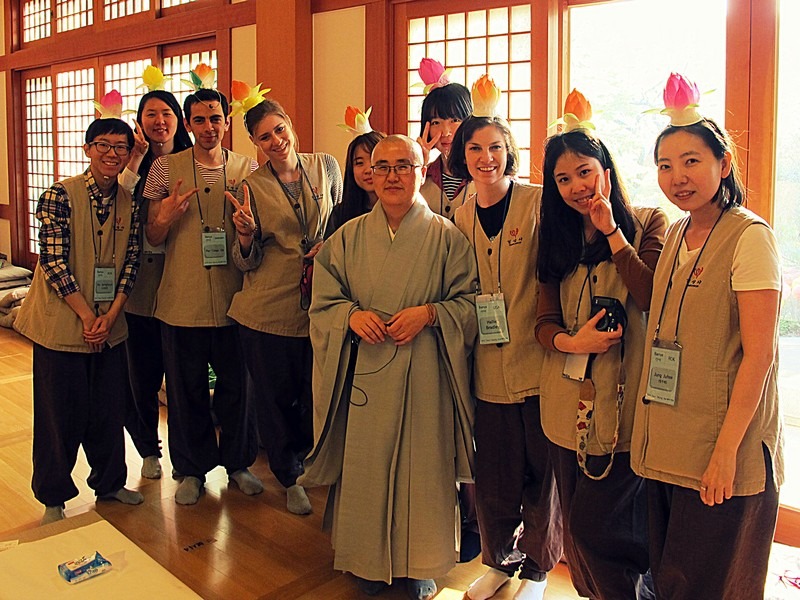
x,y
392,326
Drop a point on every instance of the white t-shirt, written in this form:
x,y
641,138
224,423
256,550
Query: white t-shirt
x,y
756,260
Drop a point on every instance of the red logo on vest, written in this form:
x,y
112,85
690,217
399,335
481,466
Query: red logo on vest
x,y
514,237
695,281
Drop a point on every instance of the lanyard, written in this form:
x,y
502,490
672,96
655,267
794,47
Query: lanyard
x,y
95,244
688,278
586,280
507,199
224,183
298,207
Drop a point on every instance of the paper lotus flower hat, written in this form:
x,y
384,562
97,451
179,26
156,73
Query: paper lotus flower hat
x,y
577,112
485,97
110,106
153,79
244,97
433,75
203,77
356,121
681,99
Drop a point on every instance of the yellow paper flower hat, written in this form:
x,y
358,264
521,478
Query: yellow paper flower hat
x,y
153,79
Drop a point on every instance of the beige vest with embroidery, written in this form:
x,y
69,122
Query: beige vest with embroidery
x,y
438,201
269,300
47,319
191,295
674,443
510,372
142,301
559,396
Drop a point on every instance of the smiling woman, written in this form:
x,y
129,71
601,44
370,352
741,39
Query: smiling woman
x,y
282,211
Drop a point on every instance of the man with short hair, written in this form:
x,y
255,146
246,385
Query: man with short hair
x,y
193,298
88,258
392,326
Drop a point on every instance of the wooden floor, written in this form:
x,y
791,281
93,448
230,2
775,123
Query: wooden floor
x,y
228,545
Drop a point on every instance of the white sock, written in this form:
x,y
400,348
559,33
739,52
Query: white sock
x,y
486,586
531,590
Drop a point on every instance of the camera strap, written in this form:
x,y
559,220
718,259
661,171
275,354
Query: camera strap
x,y
586,401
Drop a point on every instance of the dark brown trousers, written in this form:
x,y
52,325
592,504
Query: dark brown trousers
x,y
605,526
78,399
714,552
515,486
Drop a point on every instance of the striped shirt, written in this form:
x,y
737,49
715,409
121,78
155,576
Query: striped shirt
x,y
450,185
157,185
53,213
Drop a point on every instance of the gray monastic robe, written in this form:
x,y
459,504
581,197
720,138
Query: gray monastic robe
x,y
395,451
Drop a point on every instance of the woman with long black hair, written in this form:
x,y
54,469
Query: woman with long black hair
x,y
159,131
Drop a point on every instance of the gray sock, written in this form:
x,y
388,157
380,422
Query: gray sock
x,y
188,491
297,501
52,514
420,589
151,468
247,482
125,496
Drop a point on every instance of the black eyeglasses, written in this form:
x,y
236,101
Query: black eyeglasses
x,y
383,170
103,148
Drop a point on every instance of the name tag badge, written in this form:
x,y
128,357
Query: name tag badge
x,y
105,283
575,366
662,379
492,323
215,248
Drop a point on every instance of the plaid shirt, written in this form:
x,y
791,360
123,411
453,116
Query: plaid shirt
x,y
53,212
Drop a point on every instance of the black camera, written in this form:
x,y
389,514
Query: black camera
x,y
615,313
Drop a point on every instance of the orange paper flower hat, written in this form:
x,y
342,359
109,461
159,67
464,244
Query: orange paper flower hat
x,y
152,79
433,75
577,112
356,121
202,77
485,97
110,106
245,97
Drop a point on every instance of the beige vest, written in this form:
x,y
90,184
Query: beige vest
x,y
47,319
438,201
510,372
269,300
674,443
191,295
559,396
142,300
